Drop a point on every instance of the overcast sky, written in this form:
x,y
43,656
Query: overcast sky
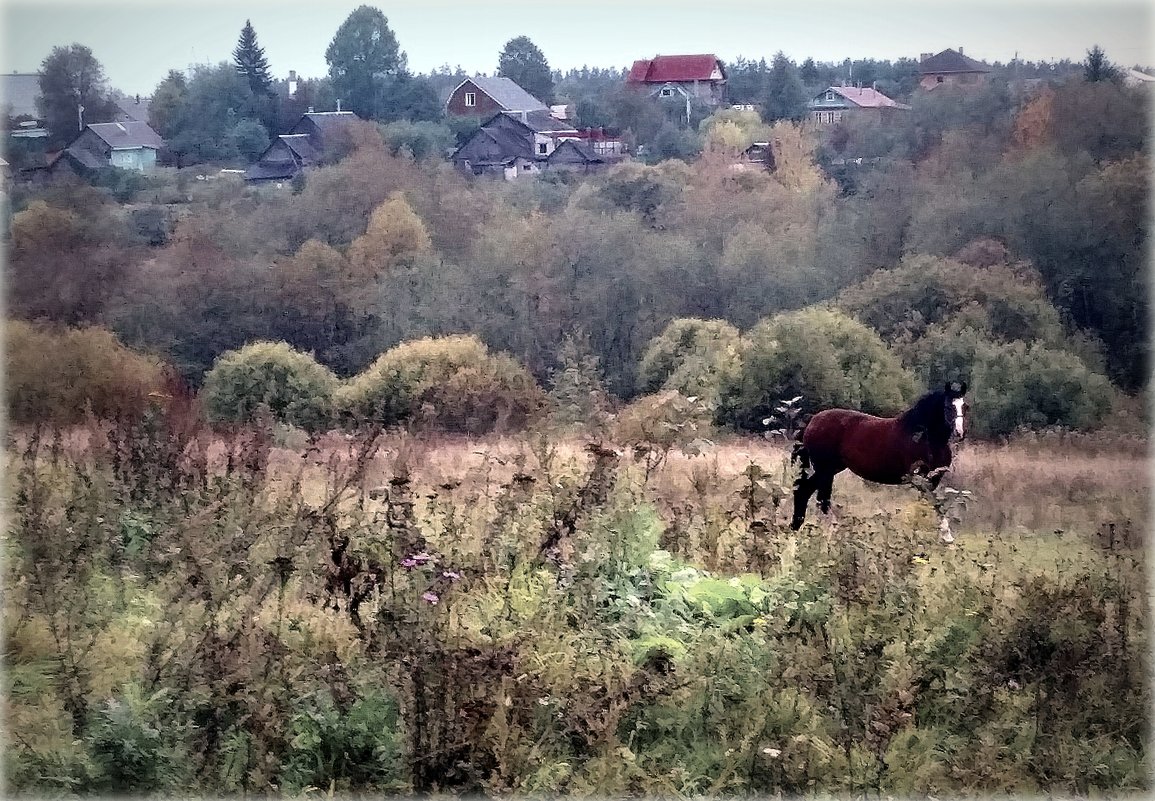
x,y
139,41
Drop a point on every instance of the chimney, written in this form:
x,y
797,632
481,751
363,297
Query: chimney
x,y
924,56
292,83
960,52
338,105
525,116
310,110
138,100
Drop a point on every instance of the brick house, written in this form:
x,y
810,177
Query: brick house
x,y
483,97
699,77
950,67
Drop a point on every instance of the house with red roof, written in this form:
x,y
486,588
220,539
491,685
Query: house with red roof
x,y
950,67
698,77
836,103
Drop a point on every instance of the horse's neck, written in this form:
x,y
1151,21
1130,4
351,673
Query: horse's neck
x,y
920,420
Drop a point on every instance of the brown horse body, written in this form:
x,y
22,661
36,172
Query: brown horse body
x,y
842,439
885,450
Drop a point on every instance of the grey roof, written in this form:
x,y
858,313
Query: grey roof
x,y
268,171
951,61
300,145
20,90
581,148
79,155
127,135
508,94
327,120
540,121
133,109
509,143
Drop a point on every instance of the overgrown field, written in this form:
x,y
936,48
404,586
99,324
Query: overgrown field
x,y
197,613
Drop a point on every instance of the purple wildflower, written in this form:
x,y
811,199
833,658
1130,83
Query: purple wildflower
x,y
431,597
410,562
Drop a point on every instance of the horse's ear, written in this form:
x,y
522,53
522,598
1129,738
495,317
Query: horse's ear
x,y
956,388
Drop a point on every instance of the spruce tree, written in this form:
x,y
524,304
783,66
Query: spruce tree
x,y
250,60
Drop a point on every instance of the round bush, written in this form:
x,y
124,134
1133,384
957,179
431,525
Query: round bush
x,y
55,375
1014,384
295,388
924,290
828,358
694,357
452,383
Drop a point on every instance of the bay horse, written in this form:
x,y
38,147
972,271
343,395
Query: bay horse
x,y
885,450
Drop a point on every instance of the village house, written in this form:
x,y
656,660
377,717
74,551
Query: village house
x,y
836,103
303,146
131,145
699,77
950,67
512,144
483,97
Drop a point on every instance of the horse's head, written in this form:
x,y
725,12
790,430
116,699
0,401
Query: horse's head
x,y
956,409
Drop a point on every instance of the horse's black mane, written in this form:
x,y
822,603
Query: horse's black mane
x,y
927,414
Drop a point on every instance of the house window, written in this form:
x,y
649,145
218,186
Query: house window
x,y
830,95
938,79
470,99
666,92
542,148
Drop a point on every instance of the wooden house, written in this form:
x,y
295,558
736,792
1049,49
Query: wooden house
x,y
699,77
303,146
950,67
483,97
573,155
129,145
836,103
512,144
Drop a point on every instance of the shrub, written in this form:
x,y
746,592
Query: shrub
x,y
292,385
924,290
54,375
452,383
1015,384
823,355
695,357
663,421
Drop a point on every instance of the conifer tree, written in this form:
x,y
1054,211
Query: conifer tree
x,y
249,58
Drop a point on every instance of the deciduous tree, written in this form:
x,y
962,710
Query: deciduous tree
x,y
72,80
363,57
523,63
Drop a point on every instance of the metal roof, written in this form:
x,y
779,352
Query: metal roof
x,y
506,93
127,135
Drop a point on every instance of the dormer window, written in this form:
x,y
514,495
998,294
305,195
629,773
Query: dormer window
x,y
470,99
830,95
666,92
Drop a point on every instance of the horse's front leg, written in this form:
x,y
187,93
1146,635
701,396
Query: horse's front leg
x,y
825,484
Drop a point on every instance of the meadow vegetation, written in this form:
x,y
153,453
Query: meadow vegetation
x,y
259,610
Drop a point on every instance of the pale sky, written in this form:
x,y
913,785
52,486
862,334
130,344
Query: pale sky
x,y
139,41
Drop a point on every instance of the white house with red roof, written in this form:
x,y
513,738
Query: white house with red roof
x,y
699,77
836,103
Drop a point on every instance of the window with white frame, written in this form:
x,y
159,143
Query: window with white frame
x,y
542,148
470,99
830,95
667,91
